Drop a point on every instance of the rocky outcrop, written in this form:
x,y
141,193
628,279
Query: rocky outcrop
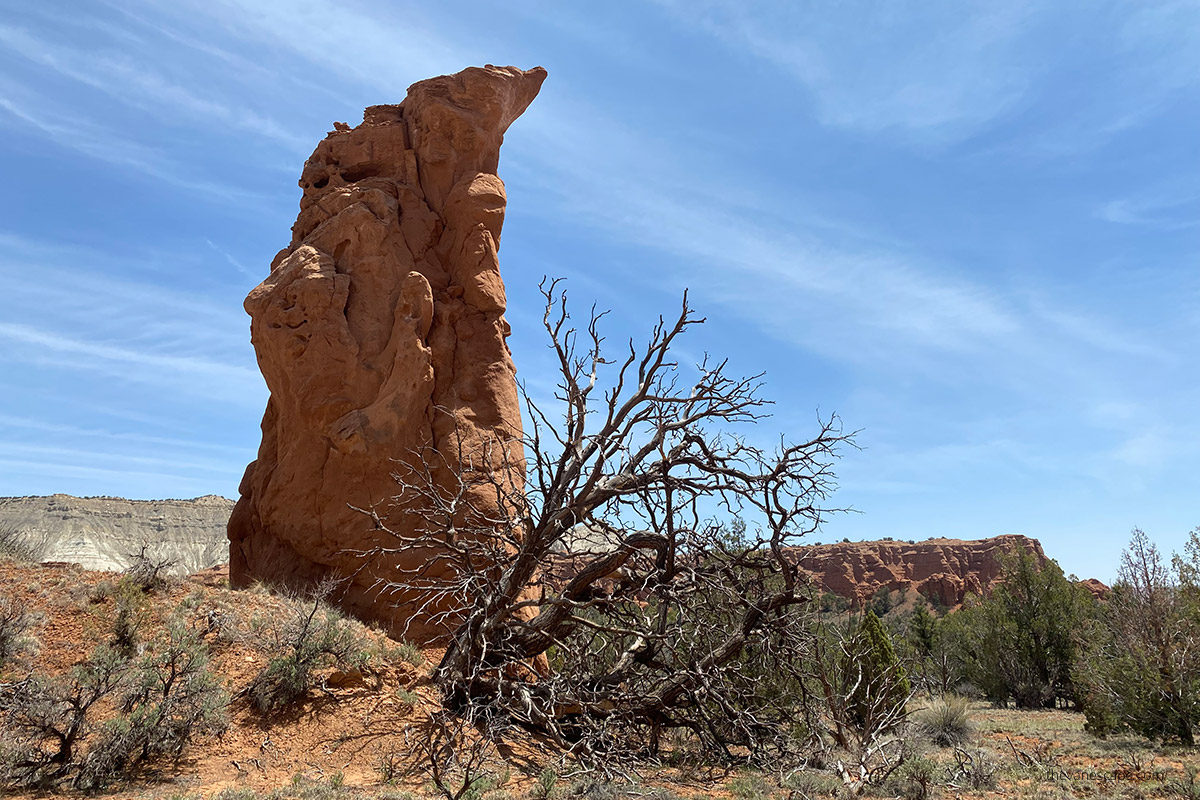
x,y
1098,588
103,533
942,570
381,335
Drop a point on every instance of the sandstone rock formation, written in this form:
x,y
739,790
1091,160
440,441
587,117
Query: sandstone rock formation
x,y
1098,588
381,335
943,570
102,533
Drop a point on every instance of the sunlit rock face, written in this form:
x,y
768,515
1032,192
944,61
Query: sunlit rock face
x,y
381,335
943,570
107,533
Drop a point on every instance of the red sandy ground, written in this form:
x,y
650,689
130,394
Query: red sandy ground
x,y
347,725
352,721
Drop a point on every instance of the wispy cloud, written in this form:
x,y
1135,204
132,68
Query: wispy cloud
x,y
79,456
118,75
76,433
98,293
934,72
229,258
94,141
1168,210
200,367
823,288
387,52
938,74
131,483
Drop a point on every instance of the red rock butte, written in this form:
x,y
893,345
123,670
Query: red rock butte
x,y
380,332
942,570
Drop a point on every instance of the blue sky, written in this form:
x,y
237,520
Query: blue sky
x,y
971,229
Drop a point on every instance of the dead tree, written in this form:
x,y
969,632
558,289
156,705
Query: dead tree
x,y
632,572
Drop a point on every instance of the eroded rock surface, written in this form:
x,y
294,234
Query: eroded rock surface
x,y
104,533
381,335
943,570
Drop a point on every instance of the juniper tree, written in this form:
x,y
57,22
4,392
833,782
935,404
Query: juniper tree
x,y
1140,664
1019,639
616,559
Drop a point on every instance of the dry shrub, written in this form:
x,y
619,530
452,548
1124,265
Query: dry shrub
x,y
19,546
946,722
60,729
15,624
148,571
309,635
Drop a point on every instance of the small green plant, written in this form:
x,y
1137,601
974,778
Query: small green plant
x,y
917,778
132,615
544,788
392,651
406,697
1187,787
389,767
337,780
808,785
312,635
193,600
236,793
161,701
15,624
479,787
101,591
749,787
946,722
411,653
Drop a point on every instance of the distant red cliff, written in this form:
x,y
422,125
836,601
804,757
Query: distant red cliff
x,y
942,570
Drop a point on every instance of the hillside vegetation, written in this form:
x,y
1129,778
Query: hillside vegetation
x,y
180,688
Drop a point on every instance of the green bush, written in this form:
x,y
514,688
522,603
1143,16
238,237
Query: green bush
x,y
832,603
883,601
161,700
1018,642
309,636
807,784
544,788
280,683
749,787
48,723
15,624
174,695
879,683
917,778
132,614
1139,668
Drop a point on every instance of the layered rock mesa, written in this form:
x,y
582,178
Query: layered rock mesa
x,y
942,570
381,335
104,533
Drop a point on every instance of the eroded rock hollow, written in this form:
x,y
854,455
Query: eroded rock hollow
x,y
381,335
